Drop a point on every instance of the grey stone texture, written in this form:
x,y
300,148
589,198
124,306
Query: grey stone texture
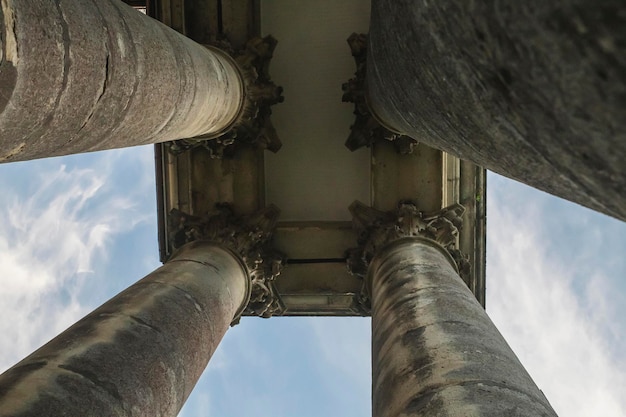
x,y
140,353
534,90
79,76
435,352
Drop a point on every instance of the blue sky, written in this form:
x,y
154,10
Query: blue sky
x,y
76,230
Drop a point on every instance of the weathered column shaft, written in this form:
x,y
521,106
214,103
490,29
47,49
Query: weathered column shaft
x,y
533,90
78,76
140,353
435,352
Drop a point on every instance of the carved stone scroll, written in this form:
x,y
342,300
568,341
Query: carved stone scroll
x,y
367,128
248,236
253,125
376,229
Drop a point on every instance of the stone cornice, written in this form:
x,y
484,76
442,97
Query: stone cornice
x,y
247,236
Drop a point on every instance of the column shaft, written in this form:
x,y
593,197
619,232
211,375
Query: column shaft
x,y
140,353
79,76
532,90
435,352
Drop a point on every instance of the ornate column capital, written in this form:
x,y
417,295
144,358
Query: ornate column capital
x,y
253,124
377,229
367,127
247,236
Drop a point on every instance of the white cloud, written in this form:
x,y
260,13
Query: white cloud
x,y
555,305
58,221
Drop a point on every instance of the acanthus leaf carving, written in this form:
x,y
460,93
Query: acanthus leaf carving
x,y
376,229
248,236
367,128
253,126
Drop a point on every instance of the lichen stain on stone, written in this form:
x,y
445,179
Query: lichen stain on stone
x,y
43,378
121,45
195,303
13,152
25,392
10,43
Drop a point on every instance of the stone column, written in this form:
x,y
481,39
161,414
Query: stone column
x,y
532,90
142,352
79,76
435,352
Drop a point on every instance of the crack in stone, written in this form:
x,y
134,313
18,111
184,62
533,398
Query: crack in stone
x,y
108,387
144,323
107,69
67,62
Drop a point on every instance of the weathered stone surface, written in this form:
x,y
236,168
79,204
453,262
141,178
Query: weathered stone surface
x,y
377,229
253,126
435,352
248,236
367,128
140,353
532,90
78,76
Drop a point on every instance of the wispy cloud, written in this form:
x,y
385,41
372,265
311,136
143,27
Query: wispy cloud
x,y
554,300
552,273
58,221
